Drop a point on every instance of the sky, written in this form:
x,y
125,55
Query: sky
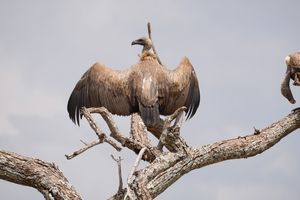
x,y
236,47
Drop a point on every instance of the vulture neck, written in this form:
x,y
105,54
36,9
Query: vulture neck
x,y
147,55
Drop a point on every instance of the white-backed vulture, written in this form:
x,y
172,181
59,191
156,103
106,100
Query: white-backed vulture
x,y
293,72
146,87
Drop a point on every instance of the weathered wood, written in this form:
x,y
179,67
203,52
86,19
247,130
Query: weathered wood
x,y
169,167
161,173
44,176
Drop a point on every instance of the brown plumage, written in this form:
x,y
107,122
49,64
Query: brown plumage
x,y
146,87
293,72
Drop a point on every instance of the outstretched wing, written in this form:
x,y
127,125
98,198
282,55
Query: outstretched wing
x,y
101,86
180,88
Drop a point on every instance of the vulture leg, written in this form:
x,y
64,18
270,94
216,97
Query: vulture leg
x,y
179,118
167,128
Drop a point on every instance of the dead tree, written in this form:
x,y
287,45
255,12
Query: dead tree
x,y
166,165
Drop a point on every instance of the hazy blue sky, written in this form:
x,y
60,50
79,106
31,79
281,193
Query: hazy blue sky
x,y
237,48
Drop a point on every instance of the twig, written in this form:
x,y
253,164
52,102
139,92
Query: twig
x,y
133,169
118,160
102,138
153,47
256,131
83,142
83,149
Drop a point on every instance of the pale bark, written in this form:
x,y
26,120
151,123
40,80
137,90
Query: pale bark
x,y
44,176
169,167
165,167
163,172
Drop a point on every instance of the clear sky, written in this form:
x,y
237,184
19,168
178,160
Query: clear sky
x,y
237,49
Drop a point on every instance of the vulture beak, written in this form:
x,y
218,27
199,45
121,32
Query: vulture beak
x,y
136,42
141,41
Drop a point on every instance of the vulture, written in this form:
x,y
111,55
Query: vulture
x,y
293,72
146,87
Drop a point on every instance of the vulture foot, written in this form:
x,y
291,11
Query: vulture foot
x,y
167,128
178,120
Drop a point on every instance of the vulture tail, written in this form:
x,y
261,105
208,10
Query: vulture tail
x,y
150,115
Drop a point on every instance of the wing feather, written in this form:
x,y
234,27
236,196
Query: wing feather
x,y
101,86
181,88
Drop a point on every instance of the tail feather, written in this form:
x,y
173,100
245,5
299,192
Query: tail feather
x,y
150,114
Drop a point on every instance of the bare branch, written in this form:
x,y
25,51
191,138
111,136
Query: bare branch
x,y
138,130
136,164
135,146
83,149
153,47
43,176
175,165
118,160
131,173
151,181
86,112
103,138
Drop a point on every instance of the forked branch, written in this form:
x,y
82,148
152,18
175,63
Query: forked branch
x,y
150,154
169,167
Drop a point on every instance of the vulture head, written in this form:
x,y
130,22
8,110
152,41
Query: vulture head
x,y
145,42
